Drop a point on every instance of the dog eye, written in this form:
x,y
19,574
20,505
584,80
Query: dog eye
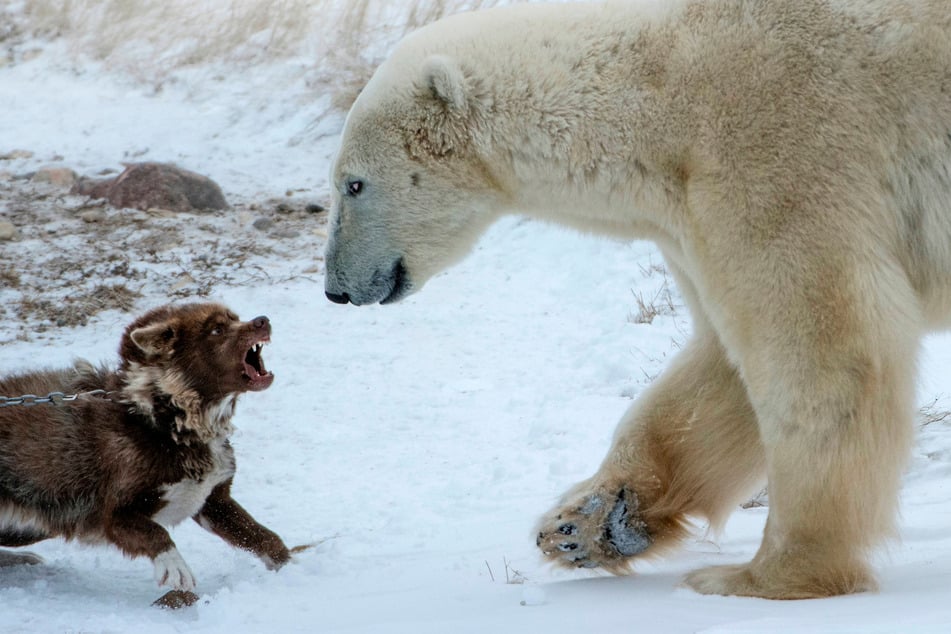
x,y
216,331
354,187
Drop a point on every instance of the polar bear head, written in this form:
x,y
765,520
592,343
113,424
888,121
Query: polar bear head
x,y
411,191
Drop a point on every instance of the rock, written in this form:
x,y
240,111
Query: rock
x,y
62,177
92,187
262,224
156,185
30,54
93,215
184,281
16,154
315,208
7,231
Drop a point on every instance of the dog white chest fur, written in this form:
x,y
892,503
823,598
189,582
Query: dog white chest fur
x,y
184,499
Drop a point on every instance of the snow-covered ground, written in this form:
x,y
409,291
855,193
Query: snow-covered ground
x,y
414,444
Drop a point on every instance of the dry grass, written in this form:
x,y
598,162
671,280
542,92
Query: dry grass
x,y
173,33
930,414
512,576
76,309
660,303
368,29
760,500
9,277
151,39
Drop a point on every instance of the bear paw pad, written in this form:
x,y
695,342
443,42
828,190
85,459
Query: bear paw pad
x,y
591,533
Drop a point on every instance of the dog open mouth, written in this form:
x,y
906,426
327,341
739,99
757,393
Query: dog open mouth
x,y
257,376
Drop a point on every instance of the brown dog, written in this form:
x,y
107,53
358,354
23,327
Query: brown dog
x,y
150,452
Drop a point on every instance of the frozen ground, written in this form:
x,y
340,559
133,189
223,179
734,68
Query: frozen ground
x,y
415,444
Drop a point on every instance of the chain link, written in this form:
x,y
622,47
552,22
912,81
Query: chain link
x,y
53,398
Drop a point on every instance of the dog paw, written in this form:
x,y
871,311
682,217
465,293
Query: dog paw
x,y
277,561
176,599
597,530
171,570
8,558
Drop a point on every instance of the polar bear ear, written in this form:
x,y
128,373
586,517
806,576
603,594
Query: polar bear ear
x,y
446,130
446,81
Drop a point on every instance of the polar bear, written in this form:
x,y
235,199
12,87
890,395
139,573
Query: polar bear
x,y
792,160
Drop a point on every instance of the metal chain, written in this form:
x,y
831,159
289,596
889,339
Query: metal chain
x,y
53,398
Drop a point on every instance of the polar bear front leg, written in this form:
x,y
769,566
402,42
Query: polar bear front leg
x,y
689,445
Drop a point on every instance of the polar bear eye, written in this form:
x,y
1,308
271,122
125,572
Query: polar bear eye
x,y
354,187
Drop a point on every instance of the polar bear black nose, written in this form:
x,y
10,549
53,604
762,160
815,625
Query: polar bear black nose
x,y
342,298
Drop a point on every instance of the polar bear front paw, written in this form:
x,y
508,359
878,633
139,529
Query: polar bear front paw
x,y
595,531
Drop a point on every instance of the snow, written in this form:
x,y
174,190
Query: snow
x,y
416,444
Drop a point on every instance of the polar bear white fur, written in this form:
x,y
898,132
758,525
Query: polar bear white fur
x,y
792,160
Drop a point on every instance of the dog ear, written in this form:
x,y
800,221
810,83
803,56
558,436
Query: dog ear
x,y
154,339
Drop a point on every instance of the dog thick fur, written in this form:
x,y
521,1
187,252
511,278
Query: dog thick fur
x,y
792,160
154,451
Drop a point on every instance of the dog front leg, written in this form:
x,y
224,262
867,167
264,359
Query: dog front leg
x,y
137,535
227,519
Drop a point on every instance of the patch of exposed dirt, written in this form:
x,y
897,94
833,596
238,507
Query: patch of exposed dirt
x,y
65,258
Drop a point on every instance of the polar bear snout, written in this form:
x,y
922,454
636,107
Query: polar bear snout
x,y
337,298
386,286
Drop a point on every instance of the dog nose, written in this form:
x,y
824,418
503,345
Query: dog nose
x,y
260,322
342,298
